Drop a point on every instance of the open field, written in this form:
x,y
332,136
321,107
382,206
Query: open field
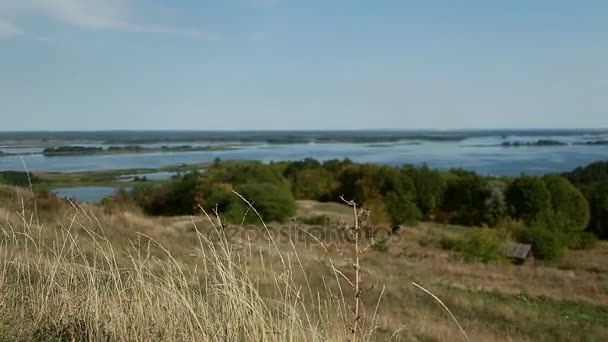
x,y
93,273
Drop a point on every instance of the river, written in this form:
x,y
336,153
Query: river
x,y
484,155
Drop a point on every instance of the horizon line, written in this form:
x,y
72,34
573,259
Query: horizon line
x,y
310,130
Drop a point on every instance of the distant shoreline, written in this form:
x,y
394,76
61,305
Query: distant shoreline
x,y
54,138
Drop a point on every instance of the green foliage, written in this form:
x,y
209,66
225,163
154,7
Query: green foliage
x,y
271,201
389,185
550,221
481,244
527,196
546,245
309,180
581,240
465,195
401,209
591,174
494,205
378,213
568,202
18,178
393,195
251,172
598,201
70,150
177,197
429,187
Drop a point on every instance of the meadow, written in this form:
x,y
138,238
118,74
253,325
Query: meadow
x,y
71,272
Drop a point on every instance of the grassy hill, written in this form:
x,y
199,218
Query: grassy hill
x,y
71,272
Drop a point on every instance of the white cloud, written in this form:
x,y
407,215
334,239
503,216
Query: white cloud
x,y
9,31
99,15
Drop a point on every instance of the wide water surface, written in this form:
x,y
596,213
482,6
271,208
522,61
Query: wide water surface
x,y
481,154
91,194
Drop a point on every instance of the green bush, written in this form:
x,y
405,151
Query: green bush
x,y
274,203
568,202
598,201
546,245
401,209
527,196
18,178
581,240
482,244
176,197
464,197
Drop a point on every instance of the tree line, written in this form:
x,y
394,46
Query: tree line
x,y
557,210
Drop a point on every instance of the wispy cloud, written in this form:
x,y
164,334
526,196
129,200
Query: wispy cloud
x,y
9,31
118,15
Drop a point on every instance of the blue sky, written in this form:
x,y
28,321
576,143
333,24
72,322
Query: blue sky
x,y
287,64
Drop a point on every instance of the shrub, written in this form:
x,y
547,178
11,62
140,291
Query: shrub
x,y
581,240
401,209
482,244
274,203
464,197
568,202
546,245
598,201
495,204
429,187
378,212
18,178
527,196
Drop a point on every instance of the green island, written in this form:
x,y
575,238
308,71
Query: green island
x,y
541,142
593,142
86,150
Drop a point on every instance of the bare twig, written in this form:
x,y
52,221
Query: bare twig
x,y
466,337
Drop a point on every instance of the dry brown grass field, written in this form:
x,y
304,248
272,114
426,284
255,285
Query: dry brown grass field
x,y
71,272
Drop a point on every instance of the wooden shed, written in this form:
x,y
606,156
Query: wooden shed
x,y
519,253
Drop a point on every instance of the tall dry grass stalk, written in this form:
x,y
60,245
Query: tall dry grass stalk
x,y
70,282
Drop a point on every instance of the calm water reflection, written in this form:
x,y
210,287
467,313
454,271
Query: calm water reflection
x,y
90,194
481,154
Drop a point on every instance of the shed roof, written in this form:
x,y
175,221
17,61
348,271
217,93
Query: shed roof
x,y
518,251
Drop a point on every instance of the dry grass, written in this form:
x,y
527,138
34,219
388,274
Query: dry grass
x,y
82,273
74,279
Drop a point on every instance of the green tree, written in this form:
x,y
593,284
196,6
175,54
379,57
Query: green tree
x,y
273,202
401,208
568,203
546,245
429,187
316,184
464,197
598,201
527,196
495,205
378,211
